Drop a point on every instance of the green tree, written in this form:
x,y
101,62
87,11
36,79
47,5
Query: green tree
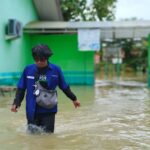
x,y
104,9
79,10
135,56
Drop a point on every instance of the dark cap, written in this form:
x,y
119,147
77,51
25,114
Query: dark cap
x,y
41,51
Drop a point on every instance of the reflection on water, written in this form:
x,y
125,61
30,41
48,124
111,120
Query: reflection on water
x,y
114,115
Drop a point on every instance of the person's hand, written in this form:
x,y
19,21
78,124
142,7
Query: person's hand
x,y
14,108
76,103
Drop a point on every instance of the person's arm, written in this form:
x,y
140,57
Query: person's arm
x,y
71,95
18,99
20,92
65,88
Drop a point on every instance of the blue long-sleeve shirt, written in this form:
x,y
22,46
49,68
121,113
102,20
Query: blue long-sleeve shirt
x,y
54,78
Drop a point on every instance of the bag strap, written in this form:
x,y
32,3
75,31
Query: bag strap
x,y
37,74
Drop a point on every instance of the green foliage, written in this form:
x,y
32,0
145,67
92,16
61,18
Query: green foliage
x,y
78,10
73,9
135,57
104,9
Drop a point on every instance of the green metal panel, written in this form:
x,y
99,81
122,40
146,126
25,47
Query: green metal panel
x,y
77,66
149,61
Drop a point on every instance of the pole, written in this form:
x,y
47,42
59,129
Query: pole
x,y
118,63
149,61
106,69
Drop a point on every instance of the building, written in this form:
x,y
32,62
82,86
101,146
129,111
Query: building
x,y
36,21
16,49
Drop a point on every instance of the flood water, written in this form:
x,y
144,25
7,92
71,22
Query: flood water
x,y
114,115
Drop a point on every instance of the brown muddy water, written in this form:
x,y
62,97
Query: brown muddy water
x,y
114,115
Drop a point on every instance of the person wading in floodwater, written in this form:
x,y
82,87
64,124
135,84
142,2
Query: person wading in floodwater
x,y
40,81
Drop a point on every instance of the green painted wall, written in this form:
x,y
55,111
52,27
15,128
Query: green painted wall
x,y
14,54
77,66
